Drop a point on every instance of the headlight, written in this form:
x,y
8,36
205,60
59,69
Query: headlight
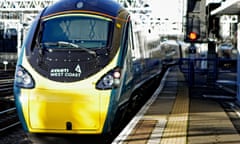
x,y
110,80
22,78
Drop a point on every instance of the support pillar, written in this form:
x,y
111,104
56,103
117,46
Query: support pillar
x,y
212,63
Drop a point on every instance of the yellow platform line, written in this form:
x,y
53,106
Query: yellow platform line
x,y
176,128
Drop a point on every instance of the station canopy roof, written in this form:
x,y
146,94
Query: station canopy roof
x,y
229,7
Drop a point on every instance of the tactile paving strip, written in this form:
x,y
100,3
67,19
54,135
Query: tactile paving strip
x,y
176,128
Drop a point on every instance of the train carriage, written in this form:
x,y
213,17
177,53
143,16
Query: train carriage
x,y
79,66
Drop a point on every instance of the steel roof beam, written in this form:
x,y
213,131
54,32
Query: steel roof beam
x,y
24,5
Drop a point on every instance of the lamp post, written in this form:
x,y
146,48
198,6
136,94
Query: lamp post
x,y
5,63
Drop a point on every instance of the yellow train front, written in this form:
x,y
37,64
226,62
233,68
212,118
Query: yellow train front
x,y
76,71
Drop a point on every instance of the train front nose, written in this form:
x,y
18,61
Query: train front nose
x,y
60,111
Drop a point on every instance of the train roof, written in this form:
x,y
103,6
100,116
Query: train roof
x,y
109,7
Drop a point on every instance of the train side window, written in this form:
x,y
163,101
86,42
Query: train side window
x,y
130,38
32,36
129,53
134,43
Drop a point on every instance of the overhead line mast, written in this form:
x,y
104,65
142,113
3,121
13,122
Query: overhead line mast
x,y
24,5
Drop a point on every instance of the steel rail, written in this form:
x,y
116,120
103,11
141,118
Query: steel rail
x,y
9,126
12,124
8,110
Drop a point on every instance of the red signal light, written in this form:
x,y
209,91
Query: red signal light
x,y
192,36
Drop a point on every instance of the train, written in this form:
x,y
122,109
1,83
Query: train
x,y
80,67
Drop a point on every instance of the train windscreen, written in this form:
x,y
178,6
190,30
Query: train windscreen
x,y
75,31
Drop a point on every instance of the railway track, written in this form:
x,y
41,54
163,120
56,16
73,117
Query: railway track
x,y
8,119
10,129
6,87
8,114
6,74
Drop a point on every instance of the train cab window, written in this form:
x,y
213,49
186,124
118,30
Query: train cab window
x,y
75,31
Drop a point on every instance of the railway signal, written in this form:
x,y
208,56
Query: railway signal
x,y
193,29
196,30
193,36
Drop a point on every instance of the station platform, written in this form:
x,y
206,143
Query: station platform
x,y
177,114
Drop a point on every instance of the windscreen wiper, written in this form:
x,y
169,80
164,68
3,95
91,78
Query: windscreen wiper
x,y
64,43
